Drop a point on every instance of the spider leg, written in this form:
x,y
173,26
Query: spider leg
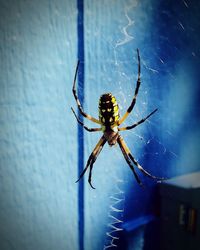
x,y
143,170
126,156
90,176
82,124
92,158
77,99
138,123
121,140
135,94
92,162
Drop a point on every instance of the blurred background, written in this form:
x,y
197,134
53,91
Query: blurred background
x,y
43,150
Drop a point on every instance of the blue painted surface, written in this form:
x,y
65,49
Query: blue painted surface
x,y
80,91
38,133
38,165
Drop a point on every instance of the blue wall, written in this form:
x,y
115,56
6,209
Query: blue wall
x,y
38,208
39,147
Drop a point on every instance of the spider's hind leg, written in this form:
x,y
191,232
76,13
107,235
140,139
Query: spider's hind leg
x,y
130,156
92,158
126,156
143,170
90,175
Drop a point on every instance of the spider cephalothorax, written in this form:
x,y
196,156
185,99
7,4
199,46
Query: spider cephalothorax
x,y
109,120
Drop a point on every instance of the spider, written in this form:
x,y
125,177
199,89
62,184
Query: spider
x,y
109,120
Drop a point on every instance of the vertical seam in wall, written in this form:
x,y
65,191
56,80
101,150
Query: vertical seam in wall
x,y
80,29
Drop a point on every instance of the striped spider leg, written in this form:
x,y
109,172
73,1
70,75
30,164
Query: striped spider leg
x,y
135,94
92,158
78,101
137,123
82,124
129,157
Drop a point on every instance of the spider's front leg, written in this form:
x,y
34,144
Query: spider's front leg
x,y
135,94
138,123
82,124
78,101
92,158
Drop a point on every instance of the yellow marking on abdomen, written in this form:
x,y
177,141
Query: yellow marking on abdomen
x,y
108,110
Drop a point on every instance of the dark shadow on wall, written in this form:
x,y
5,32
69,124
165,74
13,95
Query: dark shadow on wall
x,y
177,43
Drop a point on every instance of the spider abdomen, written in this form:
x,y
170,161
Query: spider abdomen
x,y
108,110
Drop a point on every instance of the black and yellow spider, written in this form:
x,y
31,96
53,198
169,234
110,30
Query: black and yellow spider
x,y
109,120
